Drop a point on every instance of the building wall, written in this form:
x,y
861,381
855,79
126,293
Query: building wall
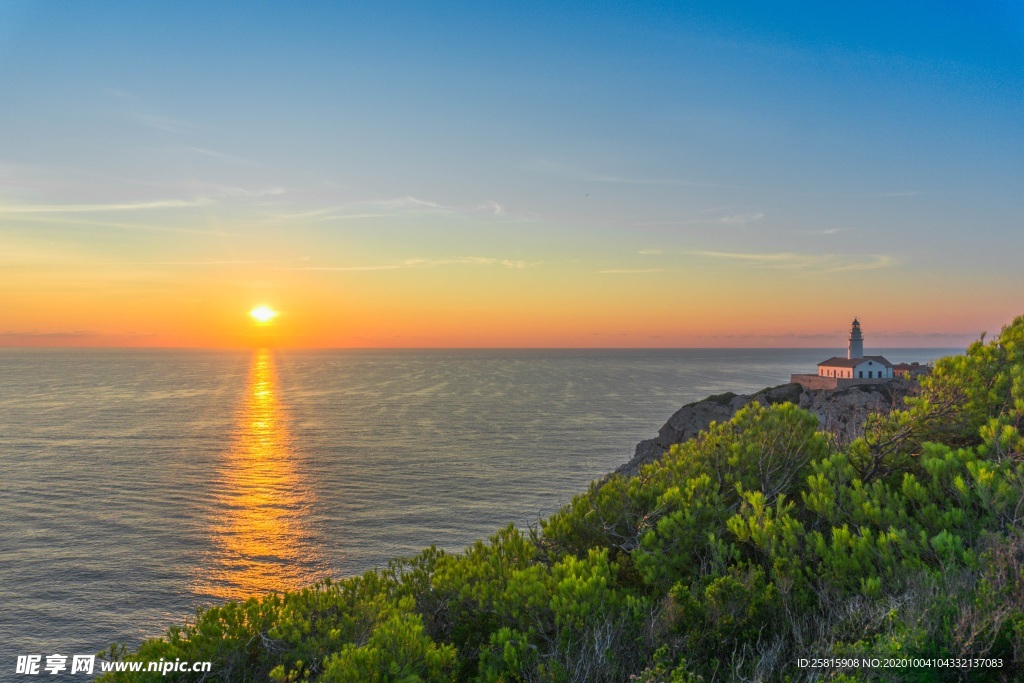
x,y
814,382
824,371
913,371
878,370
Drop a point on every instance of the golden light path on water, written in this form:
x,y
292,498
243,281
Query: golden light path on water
x,y
261,538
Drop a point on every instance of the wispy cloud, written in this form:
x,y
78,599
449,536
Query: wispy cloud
x,y
825,231
671,182
550,167
740,219
222,156
872,263
817,263
395,206
42,217
837,337
135,109
111,207
34,334
649,252
219,191
200,263
782,257
896,334
734,219
67,334
629,271
422,263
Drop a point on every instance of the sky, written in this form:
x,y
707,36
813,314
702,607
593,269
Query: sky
x,y
510,174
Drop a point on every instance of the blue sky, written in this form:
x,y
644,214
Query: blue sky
x,y
798,148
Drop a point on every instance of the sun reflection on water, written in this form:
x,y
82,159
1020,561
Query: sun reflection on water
x,y
261,538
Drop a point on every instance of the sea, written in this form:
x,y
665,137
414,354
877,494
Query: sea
x,y
137,486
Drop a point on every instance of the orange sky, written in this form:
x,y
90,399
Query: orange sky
x,y
695,175
703,302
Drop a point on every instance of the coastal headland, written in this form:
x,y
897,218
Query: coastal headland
x,y
840,412
804,535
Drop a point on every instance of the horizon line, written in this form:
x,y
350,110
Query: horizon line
x,y
451,348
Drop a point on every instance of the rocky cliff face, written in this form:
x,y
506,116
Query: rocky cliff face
x,y
841,412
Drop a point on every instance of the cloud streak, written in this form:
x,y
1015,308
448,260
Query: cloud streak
x,y
76,334
421,263
395,206
819,263
550,167
112,207
139,227
740,219
670,182
736,219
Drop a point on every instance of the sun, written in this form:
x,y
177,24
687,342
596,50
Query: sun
x,y
263,314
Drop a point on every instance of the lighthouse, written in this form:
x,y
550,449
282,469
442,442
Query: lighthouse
x,y
839,372
856,347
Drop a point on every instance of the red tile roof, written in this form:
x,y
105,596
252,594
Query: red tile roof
x,y
840,362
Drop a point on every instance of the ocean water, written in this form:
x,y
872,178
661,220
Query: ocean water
x,y
139,485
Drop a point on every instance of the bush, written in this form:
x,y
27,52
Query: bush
x,y
757,542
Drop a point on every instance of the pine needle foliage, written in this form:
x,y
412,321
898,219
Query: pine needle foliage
x,y
759,542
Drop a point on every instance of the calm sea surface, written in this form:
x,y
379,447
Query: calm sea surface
x,y
136,486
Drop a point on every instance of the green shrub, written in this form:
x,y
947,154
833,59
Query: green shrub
x,y
755,543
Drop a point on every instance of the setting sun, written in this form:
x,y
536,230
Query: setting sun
x,y
263,314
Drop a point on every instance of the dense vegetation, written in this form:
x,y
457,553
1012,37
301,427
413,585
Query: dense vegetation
x,y
757,543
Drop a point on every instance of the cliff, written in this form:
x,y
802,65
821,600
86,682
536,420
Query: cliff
x,y
841,412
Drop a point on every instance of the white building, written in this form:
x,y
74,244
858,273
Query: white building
x,y
856,365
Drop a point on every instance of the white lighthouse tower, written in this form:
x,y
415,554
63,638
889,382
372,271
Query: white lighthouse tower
x,y
856,347
839,372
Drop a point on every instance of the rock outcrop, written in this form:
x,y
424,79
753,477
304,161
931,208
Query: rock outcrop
x,y
841,412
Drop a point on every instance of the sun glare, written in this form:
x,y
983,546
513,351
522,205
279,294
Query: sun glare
x,y
263,314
